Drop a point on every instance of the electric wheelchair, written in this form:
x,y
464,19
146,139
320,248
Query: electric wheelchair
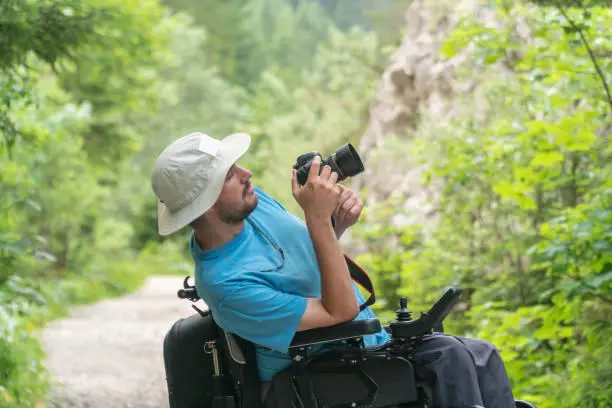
x,y
207,367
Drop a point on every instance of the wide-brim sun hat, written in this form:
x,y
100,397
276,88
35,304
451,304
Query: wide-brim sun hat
x,y
188,176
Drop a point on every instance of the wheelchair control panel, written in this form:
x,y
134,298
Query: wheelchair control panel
x,y
407,328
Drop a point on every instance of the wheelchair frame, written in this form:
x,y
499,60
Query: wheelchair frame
x,y
234,360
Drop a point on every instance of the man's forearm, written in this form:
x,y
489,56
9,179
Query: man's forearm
x,y
337,293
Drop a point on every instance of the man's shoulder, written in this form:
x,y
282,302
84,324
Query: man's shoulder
x,y
223,274
245,285
216,281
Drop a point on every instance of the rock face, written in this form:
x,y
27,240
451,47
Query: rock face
x,y
417,81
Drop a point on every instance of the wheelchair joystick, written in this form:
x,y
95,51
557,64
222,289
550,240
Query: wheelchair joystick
x,y
405,328
403,313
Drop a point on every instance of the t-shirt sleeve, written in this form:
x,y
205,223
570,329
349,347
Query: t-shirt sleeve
x,y
263,315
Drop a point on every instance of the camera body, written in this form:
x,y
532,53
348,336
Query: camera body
x,y
345,161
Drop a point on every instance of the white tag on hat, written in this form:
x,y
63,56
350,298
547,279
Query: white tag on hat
x,y
208,145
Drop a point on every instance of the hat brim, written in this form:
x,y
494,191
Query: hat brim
x,y
231,148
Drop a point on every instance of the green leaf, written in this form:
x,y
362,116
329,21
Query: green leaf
x,y
600,280
449,49
546,159
582,141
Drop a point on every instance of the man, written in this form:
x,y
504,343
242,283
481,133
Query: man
x,y
266,274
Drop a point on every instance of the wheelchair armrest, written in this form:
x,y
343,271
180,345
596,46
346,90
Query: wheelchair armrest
x,y
342,331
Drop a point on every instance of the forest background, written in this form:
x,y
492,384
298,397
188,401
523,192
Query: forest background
x,y
91,91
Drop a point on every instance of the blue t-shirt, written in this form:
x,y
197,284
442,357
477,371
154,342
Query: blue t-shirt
x,y
250,296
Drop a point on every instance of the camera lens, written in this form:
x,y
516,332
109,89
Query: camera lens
x,y
345,161
348,161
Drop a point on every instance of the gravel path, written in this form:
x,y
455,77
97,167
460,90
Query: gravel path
x,y
109,354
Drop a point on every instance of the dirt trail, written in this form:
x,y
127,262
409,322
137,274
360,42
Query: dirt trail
x,y
109,354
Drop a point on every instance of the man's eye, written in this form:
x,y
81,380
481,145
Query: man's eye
x,y
230,173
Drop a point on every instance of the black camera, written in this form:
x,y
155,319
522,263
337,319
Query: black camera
x,y
345,161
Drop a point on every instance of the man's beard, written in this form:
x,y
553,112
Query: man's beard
x,y
232,216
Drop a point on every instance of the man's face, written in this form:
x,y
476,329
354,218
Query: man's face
x,y
237,199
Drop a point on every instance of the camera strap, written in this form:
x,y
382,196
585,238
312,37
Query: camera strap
x,y
361,277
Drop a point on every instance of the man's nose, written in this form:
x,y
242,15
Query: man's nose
x,y
244,173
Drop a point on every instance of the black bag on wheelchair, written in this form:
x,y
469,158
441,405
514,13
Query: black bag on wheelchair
x,y
189,349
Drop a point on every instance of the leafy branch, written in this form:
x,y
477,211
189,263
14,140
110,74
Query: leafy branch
x,y
578,30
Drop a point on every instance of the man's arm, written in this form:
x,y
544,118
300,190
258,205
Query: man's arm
x,y
338,302
319,198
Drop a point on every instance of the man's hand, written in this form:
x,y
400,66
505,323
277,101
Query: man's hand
x,y
319,196
347,212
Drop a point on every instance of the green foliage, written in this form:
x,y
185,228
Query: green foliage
x,y
228,46
572,3
286,38
49,31
22,375
385,17
116,74
248,38
522,174
68,71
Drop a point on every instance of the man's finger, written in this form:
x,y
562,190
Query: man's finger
x,y
333,177
346,207
295,186
314,168
346,194
326,171
355,212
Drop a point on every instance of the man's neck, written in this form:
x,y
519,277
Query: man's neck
x,y
214,235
